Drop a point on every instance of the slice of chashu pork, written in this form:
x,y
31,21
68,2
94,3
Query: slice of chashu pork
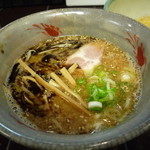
x,y
88,56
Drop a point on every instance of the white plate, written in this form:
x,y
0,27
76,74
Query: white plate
x,y
84,2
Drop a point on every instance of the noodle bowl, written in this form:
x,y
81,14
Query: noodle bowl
x,y
19,44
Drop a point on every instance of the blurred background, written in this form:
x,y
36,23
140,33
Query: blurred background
x,y
11,10
16,3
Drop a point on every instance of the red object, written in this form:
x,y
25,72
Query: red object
x,y
50,30
138,48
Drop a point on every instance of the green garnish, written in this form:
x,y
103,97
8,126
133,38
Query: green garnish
x,y
96,109
99,87
81,81
113,72
95,106
97,93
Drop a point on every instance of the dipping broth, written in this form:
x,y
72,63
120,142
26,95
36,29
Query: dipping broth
x,y
75,85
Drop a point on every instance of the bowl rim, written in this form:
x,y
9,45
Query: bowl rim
x,y
107,4
144,126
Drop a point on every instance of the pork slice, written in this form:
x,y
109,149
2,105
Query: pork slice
x,y
88,56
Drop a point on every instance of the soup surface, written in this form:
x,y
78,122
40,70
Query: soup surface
x,y
75,85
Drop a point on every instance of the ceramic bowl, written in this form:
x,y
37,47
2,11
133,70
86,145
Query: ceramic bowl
x,y
132,8
135,9
126,33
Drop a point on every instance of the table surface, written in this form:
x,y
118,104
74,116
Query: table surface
x,y
8,15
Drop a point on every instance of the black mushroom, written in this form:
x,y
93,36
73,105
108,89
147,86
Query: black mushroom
x,y
47,58
14,73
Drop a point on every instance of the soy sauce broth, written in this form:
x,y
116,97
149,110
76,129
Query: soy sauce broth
x,y
117,77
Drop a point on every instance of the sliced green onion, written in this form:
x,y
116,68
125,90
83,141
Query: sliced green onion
x,y
102,74
110,81
81,81
102,92
95,105
111,97
94,79
108,85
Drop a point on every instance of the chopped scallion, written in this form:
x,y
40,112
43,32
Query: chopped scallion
x,y
95,105
81,81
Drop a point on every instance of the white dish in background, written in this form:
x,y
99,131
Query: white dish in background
x,y
132,8
84,2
